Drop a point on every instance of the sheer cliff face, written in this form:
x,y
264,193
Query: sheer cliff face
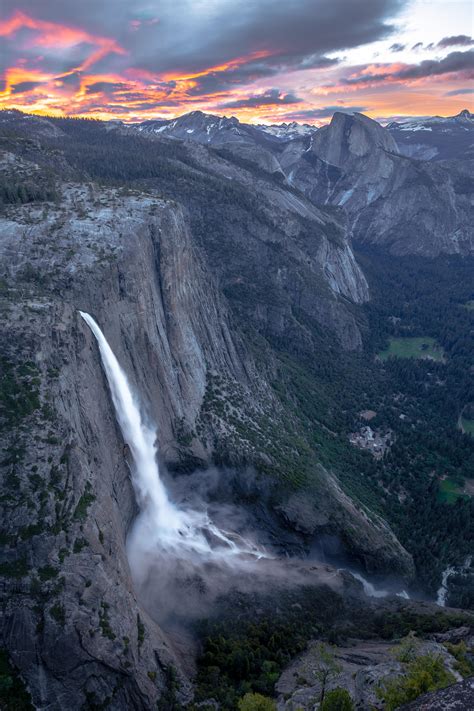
x,y
349,138
72,622
404,205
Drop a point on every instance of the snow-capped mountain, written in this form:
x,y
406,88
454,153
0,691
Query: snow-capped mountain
x,y
244,141
208,128
359,165
288,131
435,137
198,126
425,138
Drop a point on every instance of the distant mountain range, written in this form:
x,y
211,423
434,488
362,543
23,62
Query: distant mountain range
x,y
427,138
405,186
436,137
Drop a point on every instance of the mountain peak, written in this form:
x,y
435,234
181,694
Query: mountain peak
x,y
464,113
351,136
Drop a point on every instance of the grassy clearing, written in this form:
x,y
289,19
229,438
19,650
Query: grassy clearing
x,y
449,491
423,347
467,426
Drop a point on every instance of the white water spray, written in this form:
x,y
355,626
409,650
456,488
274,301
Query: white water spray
x,y
161,526
443,590
371,591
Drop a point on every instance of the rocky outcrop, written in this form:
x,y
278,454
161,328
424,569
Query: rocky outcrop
x,y
270,246
362,667
350,137
457,697
363,533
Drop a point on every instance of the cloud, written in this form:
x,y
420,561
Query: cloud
x,y
417,46
106,87
197,36
30,34
272,97
24,86
459,92
323,112
455,62
151,58
456,41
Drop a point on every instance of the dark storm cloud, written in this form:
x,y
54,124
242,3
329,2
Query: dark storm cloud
x,y
458,62
456,41
272,97
250,71
72,80
25,86
397,47
454,62
216,81
106,87
185,36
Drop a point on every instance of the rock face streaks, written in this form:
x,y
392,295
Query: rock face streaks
x,y
406,206
72,624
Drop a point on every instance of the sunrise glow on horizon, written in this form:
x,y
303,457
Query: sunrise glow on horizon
x,y
259,61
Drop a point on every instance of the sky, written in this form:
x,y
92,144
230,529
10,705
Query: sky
x,y
264,61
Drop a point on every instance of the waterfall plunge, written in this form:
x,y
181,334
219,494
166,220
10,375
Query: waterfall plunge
x,y
161,527
443,590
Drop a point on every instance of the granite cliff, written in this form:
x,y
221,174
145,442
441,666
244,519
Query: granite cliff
x,y
72,624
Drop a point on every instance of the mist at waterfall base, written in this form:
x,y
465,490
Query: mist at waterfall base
x,y
183,552
330,550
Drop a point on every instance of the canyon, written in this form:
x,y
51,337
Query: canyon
x,y
219,274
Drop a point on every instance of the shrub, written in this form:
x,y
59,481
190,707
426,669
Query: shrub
x,y
424,674
256,702
58,613
83,504
464,660
13,693
140,631
14,569
47,572
104,621
337,700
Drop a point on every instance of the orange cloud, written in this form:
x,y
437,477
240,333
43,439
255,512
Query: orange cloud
x,y
134,94
52,34
231,64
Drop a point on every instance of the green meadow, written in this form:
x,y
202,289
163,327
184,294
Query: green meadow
x,y
467,426
422,347
449,491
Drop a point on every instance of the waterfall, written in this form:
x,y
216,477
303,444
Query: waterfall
x,y
443,590
371,591
160,525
